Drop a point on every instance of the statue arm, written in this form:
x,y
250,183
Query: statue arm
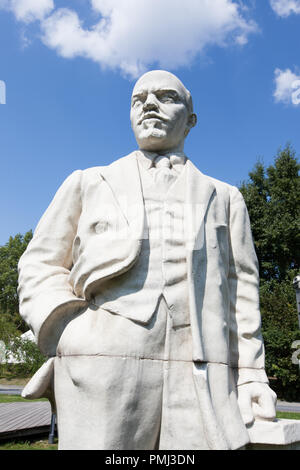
x,y
246,343
247,355
46,296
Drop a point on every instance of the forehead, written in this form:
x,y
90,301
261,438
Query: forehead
x,y
153,82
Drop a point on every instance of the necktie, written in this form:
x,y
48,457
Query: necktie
x,y
165,170
163,173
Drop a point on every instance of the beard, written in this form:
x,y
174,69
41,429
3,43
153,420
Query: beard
x,y
156,135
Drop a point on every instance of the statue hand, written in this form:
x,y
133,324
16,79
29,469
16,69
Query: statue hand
x,y
256,401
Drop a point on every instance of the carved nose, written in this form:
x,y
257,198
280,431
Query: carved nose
x,y
150,104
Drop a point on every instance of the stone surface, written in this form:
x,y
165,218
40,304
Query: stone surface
x,y
280,434
141,285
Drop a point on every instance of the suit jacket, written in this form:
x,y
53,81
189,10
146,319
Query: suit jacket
x,y
93,231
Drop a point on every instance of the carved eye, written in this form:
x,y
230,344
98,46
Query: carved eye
x,y
137,100
136,103
168,97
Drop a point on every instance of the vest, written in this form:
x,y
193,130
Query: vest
x,y
160,269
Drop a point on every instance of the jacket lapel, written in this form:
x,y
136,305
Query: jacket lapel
x,y
123,178
200,189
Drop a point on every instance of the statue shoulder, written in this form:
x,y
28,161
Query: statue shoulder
x,y
96,173
225,190
95,170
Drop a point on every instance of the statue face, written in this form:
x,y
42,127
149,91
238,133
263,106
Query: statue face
x,y
159,113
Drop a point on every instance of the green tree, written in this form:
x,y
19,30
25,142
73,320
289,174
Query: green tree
x,y
10,254
8,328
11,323
280,329
272,199
27,356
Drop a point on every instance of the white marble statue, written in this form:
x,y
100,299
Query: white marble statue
x,y
141,286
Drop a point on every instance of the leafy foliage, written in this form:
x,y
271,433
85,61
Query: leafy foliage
x,y
280,329
8,329
10,254
11,324
272,198
27,355
25,352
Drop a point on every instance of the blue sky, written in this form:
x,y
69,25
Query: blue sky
x,y
69,68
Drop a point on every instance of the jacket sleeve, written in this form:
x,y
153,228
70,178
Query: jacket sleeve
x,y
46,296
246,344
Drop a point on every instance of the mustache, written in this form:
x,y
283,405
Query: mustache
x,y
151,115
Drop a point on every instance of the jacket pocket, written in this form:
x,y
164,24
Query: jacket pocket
x,y
218,236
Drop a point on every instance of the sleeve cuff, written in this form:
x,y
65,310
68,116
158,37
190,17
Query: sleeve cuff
x,y
246,375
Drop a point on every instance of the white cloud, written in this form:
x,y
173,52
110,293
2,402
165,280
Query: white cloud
x,y
287,87
285,8
132,35
28,10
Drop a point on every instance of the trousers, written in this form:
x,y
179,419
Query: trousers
x,y
123,385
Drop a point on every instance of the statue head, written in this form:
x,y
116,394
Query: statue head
x,y
161,112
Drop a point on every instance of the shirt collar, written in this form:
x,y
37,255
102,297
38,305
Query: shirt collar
x,y
146,158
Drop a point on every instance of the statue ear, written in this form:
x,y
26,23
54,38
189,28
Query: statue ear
x,y
192,121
